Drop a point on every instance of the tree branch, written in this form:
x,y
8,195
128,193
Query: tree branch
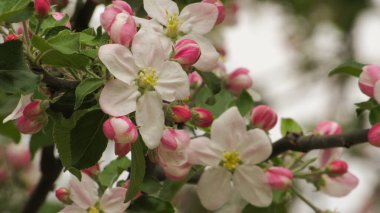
x,y
50,168
83,15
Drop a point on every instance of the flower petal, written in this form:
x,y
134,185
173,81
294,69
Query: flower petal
x,y
150,118
376,91
339,186
199,152
228,131
84,193
118,98
327,156
147,49
256,148
214,187
160,9
209,56
251,183
73,209
17,112
198,18
119,61
172,82
112,201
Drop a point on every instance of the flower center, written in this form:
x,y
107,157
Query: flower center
x,y
172,26
147,78
93,210
231,160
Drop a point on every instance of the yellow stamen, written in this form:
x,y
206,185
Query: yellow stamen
x,y
231,160
172,26
147,78
93,210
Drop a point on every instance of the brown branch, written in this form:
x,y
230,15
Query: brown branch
x,y
50,168
83,15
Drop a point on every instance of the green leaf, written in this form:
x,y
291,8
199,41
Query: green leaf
x,y
48,24
42,138
58,59
150,185
76,172
137,169
212,81
86,87
216,104
9,130
244,103
374,116
87,140
113,170
14,10
15,77
351,68
289,125
149,204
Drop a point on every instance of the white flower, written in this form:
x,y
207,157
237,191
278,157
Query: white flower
x,y
230,158
17,112
194,21
84,195
144,77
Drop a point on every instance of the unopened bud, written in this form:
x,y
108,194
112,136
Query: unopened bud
x,y
202,117
42,7
221,9
279,178
337,168
174,139
35,109
63,195
27,126
263,117
120,129
123,29
374,135
176,173
239,80
108,16
368,78
328,128
122,149
195,80
180,113
10,37
187,51
92,171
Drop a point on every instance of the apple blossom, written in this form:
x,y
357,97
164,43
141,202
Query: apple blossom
x,y
221,10
171,150
263,117
238,80
42,7
195,80
328,128
369,81
123,29
230,158
374,135
186,52
63,195
18,155
59,16
202,117
337,168
122,149
109,15
144,78
180,113
279,178
120,129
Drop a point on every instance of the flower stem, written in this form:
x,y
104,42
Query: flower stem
x,y
316,209
25,32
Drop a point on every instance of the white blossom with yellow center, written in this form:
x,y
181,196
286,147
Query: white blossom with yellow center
x,y
230,158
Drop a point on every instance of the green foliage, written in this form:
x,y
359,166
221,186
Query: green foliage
x,y
351,68
289,125
13,11
85,88
113,170
374,116
212,81
9,130
150,185
216,104
42,138
273,208
149,204
48,24
367,105
244,103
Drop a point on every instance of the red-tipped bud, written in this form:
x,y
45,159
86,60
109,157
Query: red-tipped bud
x,y
92,171
42,7
180,113
337,168
35,109
239,80
122,149
123,29
18,156
174,139
63,195
368,79
263,117
59,16
374,135
109,15
328,128
279,178
187,51
195,80
221,9
27,126
202,117
120,129
10,37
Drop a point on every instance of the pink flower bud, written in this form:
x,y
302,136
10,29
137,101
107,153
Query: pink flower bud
x,y
221,9
123,29
328,128
202,117
187,51
374,135
10,37
174,139
27,126
35,109
120,129
176,173
180,113
368,78
279,178
337,168
59,16
63,195
18,156
239,80
108,16
195,80
42,7
263,117
92,171
122,149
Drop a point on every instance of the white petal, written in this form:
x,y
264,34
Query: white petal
x,y
214,187
118,98
112,200
327,156
147,49
150,118
199,152
73,209
256,148
339,186
209,56
250,182
84,193
377,91
229,130
198,18
17,112
119,61
159,9
172,82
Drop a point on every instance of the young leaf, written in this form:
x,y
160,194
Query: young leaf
x,y
351,68
150,185
112,171
374,116
289,125
84,88
212,81
244,102
15,10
